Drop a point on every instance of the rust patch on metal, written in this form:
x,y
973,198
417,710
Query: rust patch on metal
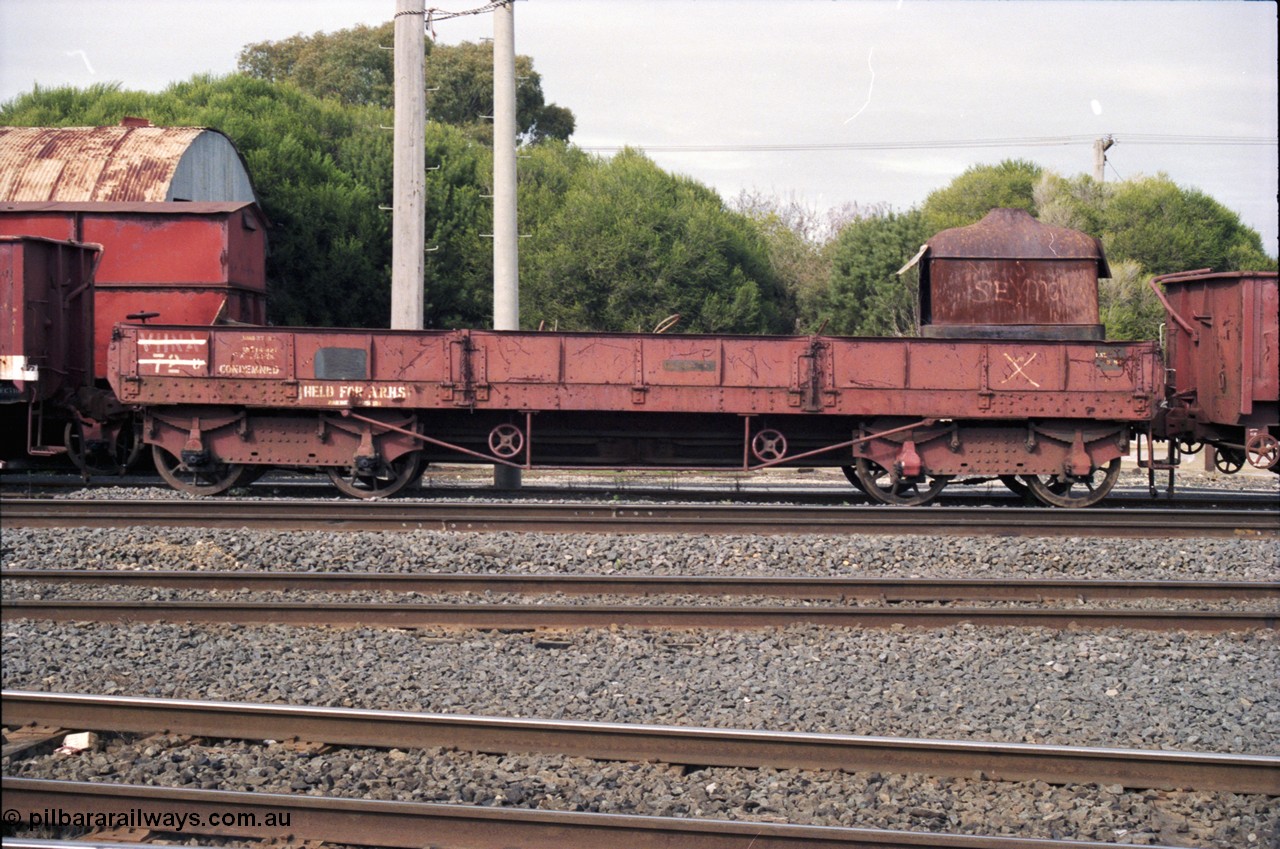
x,y
1011,270
91,163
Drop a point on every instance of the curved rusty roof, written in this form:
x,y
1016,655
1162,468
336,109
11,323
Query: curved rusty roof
x,y
1014,234
126,163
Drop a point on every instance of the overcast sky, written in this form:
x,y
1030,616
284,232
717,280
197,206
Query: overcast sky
x,y
893,85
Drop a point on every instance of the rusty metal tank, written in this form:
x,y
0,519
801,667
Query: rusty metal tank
x,y
1011,277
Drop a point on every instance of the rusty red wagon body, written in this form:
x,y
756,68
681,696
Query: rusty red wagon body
x,y
353,400
46,340
1009,380
1223,357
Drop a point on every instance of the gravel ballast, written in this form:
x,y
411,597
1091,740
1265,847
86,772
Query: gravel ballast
x,y
642,554
1132,689
1110,688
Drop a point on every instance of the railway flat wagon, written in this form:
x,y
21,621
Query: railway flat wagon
x,y
1011,380
1223,356
904,415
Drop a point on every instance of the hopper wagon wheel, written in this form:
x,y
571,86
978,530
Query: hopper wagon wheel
x,y
111,459
208,479
888,487
1189,446
1228,460
387,479
1074,490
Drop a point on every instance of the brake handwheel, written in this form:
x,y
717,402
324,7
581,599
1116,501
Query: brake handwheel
x,y
1262,450
506,440
769,445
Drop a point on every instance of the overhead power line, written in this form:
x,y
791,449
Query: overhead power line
x,y
939,144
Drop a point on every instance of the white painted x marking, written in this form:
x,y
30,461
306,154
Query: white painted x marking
x,y
1017,369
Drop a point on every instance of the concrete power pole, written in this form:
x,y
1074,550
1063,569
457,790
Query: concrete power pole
x,y
409,189
1100,148
506,274
506,251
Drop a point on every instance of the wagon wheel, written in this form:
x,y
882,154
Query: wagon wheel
x,y
851,473
1228,460
769,445
1016,485
113,461
386,480
506,440
209,479
888,487
1190,446
1074,490
1262,450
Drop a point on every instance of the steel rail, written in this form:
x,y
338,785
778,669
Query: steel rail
x,y
1139,768
410,824
391,515
522,616
742,490
825,587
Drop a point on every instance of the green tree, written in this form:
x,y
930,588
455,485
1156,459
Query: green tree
x,y
1127,306
354,66
867,296
980,189
1166,228
1148,225
349,65
459,262
1076,202
796,237
463,77
631,245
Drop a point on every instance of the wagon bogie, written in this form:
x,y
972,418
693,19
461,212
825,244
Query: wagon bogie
x,y
1010,448
200,444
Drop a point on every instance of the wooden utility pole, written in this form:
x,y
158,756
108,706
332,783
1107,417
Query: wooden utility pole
x,y
1100,148
409,179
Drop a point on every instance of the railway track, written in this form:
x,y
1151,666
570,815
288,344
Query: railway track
x,y
687,746
404,824
743,488
578,517
534,616
884,589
